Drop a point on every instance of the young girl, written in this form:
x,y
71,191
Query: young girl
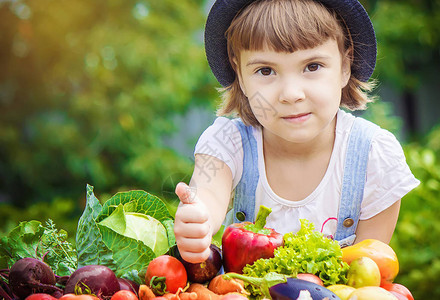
x,y
287,66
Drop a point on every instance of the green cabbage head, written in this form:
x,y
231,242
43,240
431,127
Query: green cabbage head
x,y
140,227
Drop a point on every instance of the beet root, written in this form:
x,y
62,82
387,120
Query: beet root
x,y
99,279
128,285
29,276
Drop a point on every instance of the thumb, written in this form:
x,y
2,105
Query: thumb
x,y
185,193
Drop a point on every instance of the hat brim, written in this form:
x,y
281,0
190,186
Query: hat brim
x,y
351,11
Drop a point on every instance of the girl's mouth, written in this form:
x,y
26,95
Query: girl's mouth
x,y
297,118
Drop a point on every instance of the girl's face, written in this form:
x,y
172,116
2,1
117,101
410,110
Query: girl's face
x,y
295,96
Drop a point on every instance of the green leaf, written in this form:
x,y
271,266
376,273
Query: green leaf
x,y
61,256
128,254
307,251
136,201
261,283
32,239
169,226
90,246
116,220
22,241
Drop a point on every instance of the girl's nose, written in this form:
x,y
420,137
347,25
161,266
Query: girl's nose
x,y
292,90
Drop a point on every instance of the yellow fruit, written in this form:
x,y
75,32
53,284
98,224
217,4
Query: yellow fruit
x,y
381,253
371,293
341,290
363,272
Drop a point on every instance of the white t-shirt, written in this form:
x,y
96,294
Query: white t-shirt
x,y
388,176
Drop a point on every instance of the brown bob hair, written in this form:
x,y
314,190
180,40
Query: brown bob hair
x,y
286,26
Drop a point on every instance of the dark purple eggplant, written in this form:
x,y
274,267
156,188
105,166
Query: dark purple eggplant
x,y
291,288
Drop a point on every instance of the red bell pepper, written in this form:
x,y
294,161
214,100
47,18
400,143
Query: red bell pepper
x,y
243,243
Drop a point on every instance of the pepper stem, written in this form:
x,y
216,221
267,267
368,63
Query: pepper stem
x,y
260,220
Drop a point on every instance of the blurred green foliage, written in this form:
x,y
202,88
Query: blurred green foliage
x,y
89,90
417,236
416,239
408,38
408,56
61,211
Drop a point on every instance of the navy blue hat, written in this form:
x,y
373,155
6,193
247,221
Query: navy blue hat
x,y
351,11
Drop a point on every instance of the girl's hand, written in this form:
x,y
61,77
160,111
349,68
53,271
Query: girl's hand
x,y
192,225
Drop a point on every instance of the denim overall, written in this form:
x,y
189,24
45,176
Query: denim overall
x,y
353,181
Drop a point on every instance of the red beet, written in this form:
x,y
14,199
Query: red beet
x,y
99,279
29,276
128,285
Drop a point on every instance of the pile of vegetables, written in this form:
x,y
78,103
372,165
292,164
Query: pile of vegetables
x,y
123,235
308,252
125,250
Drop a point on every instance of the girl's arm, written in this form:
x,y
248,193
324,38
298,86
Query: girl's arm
x,y
202,208
381,226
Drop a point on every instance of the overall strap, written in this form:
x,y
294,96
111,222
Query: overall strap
x,y
353,182
244,198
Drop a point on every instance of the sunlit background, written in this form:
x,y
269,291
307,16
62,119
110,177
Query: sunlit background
x,y
115,93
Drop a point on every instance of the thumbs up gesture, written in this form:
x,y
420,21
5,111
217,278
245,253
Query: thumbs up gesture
x,y
192,225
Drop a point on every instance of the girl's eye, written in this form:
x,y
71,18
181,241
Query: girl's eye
x,y
265,71
313,67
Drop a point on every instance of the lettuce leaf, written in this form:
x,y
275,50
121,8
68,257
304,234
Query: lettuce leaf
x,y
307,251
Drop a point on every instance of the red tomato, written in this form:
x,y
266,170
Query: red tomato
x,y
78,297
310,277
170,268
398,290
40,296
124,295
